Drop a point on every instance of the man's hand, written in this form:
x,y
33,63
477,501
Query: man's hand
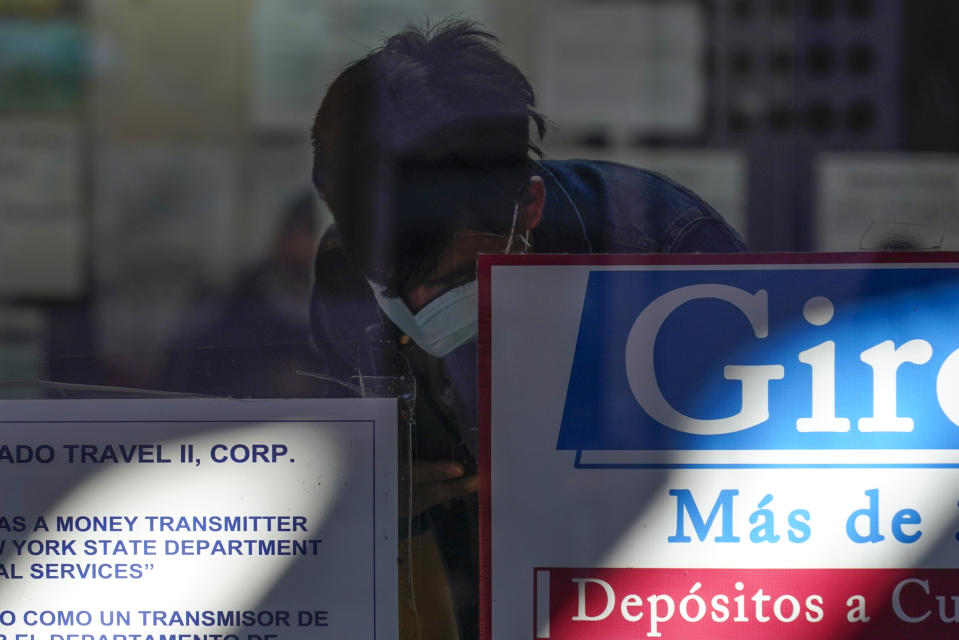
x,y
433,483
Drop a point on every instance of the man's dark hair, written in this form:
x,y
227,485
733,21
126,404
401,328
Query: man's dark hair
x,y
426,136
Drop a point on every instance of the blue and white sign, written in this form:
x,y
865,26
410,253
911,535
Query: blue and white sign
x,y
710,446
783,361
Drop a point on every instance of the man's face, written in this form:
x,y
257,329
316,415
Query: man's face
x,y
455,266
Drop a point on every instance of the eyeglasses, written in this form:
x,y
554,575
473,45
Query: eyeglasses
x,y
455,266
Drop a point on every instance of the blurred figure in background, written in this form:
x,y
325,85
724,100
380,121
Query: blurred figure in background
x,y
251,342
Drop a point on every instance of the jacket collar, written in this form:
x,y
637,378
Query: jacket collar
x,y
563,228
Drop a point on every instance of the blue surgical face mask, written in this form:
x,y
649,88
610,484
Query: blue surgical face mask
x,y
441,326
447,322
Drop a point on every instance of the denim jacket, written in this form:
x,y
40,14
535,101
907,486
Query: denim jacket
x,y
591,207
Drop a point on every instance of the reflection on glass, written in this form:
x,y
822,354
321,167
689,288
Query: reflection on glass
x,y
899,236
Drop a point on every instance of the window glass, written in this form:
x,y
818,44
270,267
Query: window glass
x,y
167,226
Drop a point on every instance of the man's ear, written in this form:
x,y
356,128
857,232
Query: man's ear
x,y
531,203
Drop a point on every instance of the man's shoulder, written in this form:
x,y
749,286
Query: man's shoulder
x,y
626,208
629,186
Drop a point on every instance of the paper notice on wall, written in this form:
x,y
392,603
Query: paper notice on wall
x,y
41,61
636,65
718,176
198,518
171,68
163,211
164,228
41,233
300,45
887,201
22,334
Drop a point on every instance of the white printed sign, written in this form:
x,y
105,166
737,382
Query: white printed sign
x,y
720,446
227,519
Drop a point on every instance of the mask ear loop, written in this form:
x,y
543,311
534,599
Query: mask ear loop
x,y
512,230
525,239
512,227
